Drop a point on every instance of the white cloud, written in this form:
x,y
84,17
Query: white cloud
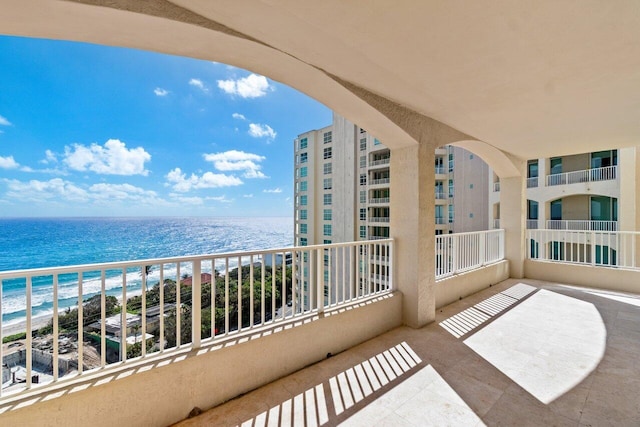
x,y
248,196
120,192
180,182
112,159
4,121
55,188
273,190
220,199
199,84
252,86
234,160
238,116
8,163
186,200
49,157
257,130
160,92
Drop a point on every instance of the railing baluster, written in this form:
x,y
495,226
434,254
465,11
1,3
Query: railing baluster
x,y
29,339
103,316
226,295
123,318
178,306
251,303
55,327
196,304
161,319
80,323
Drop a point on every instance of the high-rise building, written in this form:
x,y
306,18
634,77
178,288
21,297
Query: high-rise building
x,y
342,182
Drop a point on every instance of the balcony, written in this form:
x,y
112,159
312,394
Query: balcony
x,y
379,200
380,162
440,195
379,219
562,224
532,182
587,175
440,170
496,186
382,181
496,223
532,224
508,355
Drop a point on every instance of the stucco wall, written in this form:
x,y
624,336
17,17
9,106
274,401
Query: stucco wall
x,y
615,279
164,390
462,285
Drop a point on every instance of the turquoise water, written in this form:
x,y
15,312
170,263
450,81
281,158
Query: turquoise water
x,y
48,242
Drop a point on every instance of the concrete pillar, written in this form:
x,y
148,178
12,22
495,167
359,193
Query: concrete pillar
x,y
513,213
629,201
413,228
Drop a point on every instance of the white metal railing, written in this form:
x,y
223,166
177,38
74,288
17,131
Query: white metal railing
x,y
496,186
275,285
587,175
440,170
532,224
496,223
575,224
440,220
456,253
532,182
379,162
379,200
440,195
379,219
598,248
379,181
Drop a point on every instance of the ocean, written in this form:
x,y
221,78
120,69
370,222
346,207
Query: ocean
x,y
52,242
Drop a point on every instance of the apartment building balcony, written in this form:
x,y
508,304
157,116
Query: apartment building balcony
x,y
564,224
379,182
587,175
379,219
440,195
496,223
440,170
532,182
379,201
380,162
532,224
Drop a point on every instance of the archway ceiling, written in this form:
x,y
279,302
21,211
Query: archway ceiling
x,y
534,79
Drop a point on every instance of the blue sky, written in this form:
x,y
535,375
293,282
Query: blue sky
x,y
90,130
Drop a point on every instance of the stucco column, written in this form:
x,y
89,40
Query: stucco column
x,y
629,201
513,213
413,228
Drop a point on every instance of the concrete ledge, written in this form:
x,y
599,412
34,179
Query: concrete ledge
x,y
614,279
162,390
462,285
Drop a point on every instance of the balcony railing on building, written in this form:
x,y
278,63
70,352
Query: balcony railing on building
x,y
379,200
379,181
380,162
532,182
179,303
571,224
440,220
379,219
532,224
440,170
596,248
496,223
440,195
460,252
496,186
587,175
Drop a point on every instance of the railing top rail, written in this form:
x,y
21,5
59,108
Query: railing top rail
x,y
118,265
495,230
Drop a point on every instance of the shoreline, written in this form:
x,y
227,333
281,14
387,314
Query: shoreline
x,y
41,320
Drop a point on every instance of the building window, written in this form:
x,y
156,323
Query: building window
x,y
438,232
556,209
363,231
471,215
532,209
327,200
556,165
326,215
327,137
362,130
471,186
303,214
363,196
451,218
327,242
327,153
326,229
363,144
363,179
303,228
470,156
303,241
303,171
303,200
532,169
327,168
363,214
303,157
328,184
303,186
363,161
303,143
376,141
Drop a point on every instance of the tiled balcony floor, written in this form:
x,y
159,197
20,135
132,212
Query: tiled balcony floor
x,y
521,353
